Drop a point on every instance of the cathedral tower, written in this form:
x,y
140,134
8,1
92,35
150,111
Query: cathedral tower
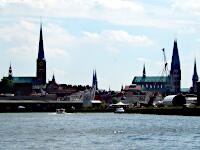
x,y
175,72
41,62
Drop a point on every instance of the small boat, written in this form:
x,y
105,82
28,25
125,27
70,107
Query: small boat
x,y
60,111
119,110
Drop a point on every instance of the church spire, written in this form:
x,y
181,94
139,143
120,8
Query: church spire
x,y
41,47
96,83
175,72
144,72
94,80
53,78
175,64
195,77
10,72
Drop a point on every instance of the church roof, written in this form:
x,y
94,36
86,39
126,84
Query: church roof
x,y
31,80
157,79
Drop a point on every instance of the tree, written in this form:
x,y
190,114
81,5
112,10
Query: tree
x,y
6,85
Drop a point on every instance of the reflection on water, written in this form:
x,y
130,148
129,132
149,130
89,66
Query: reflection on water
x,y
98,131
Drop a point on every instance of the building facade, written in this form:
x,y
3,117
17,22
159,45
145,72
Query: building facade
x,y
169,84
37,81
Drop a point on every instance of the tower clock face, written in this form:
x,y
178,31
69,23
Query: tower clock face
x,y
40,64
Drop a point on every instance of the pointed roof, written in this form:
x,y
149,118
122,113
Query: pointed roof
x,y
10,71
53,78
144,71
175,64
41,47
195,75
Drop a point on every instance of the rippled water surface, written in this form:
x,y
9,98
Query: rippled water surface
x,y
98,131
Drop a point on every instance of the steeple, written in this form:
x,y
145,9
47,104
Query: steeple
x,y
122,88
175,72
10,72
144,72
41,47
195,77
53,79
41,62
94,80
96,83
175,64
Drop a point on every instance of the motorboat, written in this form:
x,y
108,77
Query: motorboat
x,y
60,111
119,110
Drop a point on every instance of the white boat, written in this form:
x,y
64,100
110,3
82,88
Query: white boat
x,y
119,110
60,111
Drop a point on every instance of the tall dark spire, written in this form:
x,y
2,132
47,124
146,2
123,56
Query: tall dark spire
x,y
95,74
144,72
175,72
195,77
41,47
94,80
41,62
175,64
53,79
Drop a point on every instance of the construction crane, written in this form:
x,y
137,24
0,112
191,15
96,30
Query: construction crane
x,y
165,69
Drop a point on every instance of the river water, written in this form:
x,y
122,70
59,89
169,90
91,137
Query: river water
x,y
100,131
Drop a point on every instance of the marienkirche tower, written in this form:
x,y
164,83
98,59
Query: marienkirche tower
x,y
175,73
41,62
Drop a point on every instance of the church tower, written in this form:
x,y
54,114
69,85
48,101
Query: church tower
x,y
195,78
94,80
175,72
41,62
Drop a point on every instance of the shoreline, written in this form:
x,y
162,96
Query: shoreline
x,y
180,111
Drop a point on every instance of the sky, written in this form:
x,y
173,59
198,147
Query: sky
x,y
115,37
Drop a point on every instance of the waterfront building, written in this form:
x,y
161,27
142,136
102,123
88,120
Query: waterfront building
x,y
169,84
152,83
37,81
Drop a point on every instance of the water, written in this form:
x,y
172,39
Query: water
x,y
97,131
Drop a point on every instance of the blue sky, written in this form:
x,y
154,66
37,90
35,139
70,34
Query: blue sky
x,y
115,37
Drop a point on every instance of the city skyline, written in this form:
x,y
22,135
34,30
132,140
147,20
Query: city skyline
x,y
84,37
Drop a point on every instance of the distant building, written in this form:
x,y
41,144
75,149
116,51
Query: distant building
x,y
37,81
151,83
163,84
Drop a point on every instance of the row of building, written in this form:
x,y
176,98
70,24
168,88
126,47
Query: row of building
x,y
28,85
169,83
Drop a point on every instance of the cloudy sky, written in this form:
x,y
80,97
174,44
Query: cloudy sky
x,y
115,37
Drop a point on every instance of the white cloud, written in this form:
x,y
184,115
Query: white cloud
x,y
124,12
117,37
187,7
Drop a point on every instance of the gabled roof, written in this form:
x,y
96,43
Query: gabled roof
x,y
157,79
